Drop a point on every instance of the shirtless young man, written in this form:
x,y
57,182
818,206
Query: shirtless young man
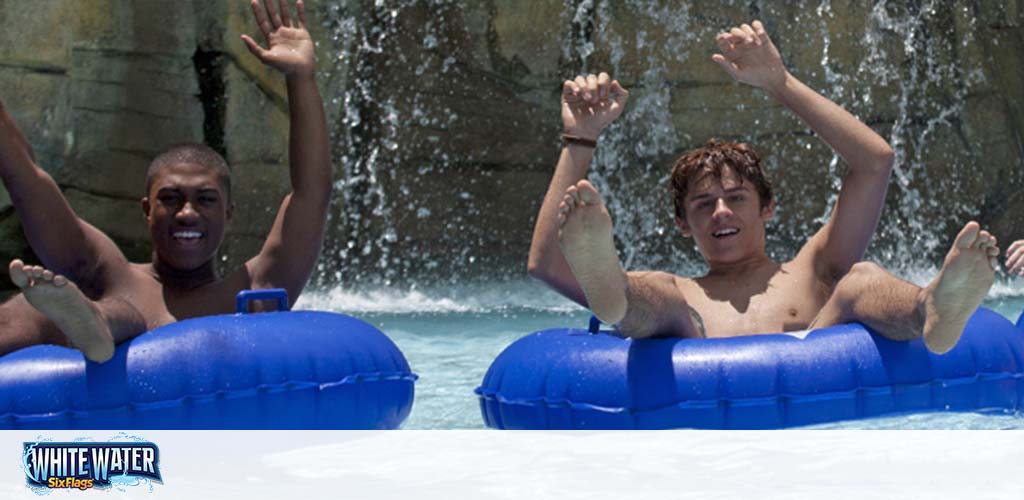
x,y
723,201
89,296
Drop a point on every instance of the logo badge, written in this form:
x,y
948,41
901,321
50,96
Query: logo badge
x,y
84,464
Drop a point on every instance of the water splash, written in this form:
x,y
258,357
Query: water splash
x,y
400,220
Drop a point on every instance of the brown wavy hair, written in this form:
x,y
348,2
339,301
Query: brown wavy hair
x,y
711,159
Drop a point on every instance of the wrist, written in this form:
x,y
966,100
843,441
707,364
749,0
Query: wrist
x,y
569,139
590,135
302,75
781,86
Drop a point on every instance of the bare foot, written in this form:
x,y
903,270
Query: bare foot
x,y
62,302
951,298
585,235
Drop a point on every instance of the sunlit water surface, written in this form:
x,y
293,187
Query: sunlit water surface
x,y
451,336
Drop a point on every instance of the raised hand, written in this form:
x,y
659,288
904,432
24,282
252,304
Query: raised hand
x,y
1015,258
749,56
289,47
590,103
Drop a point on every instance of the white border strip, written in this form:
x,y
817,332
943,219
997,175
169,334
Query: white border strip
x,y
564,465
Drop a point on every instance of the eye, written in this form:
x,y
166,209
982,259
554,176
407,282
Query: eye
x,y
207,199
737,197
704,204
168,198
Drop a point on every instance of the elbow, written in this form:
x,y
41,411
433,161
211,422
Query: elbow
x,y
539,268
534,267
884,159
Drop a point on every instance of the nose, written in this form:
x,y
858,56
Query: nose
x,y
187,213
721,209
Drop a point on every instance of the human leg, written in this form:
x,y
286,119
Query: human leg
x,y
641,304
902,311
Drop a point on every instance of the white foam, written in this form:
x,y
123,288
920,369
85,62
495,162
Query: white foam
x,y
462,299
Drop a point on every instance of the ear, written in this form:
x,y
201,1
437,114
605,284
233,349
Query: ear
x,y
768,212
145,206
681,224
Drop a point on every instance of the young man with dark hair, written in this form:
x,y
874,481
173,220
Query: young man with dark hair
x,y
89,296
722,200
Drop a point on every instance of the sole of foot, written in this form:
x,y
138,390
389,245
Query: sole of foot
x,y
952,297
585,236
62,302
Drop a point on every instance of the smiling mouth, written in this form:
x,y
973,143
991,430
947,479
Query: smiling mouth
x,y
187,236
724,233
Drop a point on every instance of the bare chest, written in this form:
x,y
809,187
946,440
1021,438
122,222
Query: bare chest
x,y
787,301
160,306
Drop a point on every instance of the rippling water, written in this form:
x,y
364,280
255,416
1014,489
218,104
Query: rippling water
x,y
450,337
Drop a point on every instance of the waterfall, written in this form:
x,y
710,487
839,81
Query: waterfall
x,y
446,125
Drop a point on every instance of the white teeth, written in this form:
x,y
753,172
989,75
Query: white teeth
x,y
725,232
187,235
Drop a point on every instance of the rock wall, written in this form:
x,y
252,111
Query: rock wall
x,y
444,117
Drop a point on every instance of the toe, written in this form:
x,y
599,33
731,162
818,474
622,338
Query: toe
x,y
588,193
35,272
967,235
17,271
985,240
47,275
60,280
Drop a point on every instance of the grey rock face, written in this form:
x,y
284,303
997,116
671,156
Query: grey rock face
x,y
445,118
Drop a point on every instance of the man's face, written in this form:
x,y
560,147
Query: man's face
x,y
725,218
187,211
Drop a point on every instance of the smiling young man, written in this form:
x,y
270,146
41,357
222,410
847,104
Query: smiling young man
x,y
89,296
722,200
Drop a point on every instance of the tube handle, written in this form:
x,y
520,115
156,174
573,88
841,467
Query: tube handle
x,y
245,296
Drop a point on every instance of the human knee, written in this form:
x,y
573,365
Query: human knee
x,y
859,279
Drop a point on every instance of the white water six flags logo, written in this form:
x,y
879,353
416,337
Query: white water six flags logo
x,y
84,465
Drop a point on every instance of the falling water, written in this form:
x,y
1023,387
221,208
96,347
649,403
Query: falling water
x,y
418,206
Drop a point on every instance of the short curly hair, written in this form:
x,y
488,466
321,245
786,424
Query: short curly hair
x,y
711,159
191,152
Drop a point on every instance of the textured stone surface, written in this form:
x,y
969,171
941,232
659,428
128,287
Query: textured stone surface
x,y
444,117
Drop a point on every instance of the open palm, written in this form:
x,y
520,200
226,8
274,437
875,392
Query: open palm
x,y
289,46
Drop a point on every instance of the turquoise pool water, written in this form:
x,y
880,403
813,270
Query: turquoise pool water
x,y
451,336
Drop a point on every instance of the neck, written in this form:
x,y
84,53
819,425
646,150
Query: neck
x,y
180,279
744,267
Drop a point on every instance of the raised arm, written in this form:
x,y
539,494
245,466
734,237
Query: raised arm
x,y
749,56
293,245
65,244
589,104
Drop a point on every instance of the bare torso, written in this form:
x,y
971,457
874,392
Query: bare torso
x,y
772,298
161,303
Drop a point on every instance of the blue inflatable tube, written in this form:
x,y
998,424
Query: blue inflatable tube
x,y
575,379
277,370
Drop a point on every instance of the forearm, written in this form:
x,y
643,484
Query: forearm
x,y
308,154
17,162
546,261
50,225
858,145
